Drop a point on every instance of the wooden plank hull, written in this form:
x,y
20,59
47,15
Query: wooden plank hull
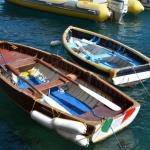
x,y
52,117
107,56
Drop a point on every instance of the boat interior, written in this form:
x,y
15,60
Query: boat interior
x,y
18,66
102,51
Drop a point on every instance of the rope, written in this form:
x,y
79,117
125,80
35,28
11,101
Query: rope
x,y
116,138
3,57
141,82
4,68
33,105
101,117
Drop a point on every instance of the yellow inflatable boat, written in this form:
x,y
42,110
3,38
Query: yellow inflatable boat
x,y
134,6
97,10
82,9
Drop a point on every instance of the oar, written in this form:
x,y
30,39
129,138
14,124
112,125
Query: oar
x,y
45,98
103,100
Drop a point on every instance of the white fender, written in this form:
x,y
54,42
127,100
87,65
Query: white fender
x,y
77,138
42,119
55,43
69,126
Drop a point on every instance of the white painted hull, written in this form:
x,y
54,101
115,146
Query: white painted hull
x,y
132,78
116,126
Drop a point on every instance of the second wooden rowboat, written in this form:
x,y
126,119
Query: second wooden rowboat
x,y
123,65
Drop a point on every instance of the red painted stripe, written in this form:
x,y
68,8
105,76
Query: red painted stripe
x,y
128,114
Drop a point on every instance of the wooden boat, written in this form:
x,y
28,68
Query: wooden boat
x,y
60,95
123,65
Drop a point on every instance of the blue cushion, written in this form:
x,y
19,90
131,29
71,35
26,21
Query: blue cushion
x,y
70,103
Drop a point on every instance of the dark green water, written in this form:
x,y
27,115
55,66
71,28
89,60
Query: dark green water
x,y
37,29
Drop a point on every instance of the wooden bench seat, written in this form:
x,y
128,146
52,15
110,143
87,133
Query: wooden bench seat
x,y
48,85
45,86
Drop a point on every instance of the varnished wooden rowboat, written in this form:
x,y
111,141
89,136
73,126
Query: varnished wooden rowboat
x,y
122,64
63,96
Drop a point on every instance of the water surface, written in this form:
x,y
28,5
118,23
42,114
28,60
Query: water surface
x,y
37,29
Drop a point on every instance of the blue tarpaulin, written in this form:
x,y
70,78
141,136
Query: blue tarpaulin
x,y
70,103
33,80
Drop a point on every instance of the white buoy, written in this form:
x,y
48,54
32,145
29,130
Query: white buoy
x,y
55,43
69,129
42,119
77,138
69,126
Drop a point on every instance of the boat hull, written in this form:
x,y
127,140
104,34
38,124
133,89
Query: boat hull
x,y
101,13
118,124
22,100
121,76
78,127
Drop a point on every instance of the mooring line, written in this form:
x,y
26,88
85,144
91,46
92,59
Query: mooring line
x,y
116,138
120,146
141,82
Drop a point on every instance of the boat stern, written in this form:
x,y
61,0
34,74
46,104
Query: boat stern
x,y
131,76
110,126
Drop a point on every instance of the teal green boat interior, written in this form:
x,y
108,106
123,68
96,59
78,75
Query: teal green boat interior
x,y
105,52
101,55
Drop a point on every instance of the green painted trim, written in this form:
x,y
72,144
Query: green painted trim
x,y
106,125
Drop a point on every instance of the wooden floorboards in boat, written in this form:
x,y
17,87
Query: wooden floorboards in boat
x,y
97,50
99,112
